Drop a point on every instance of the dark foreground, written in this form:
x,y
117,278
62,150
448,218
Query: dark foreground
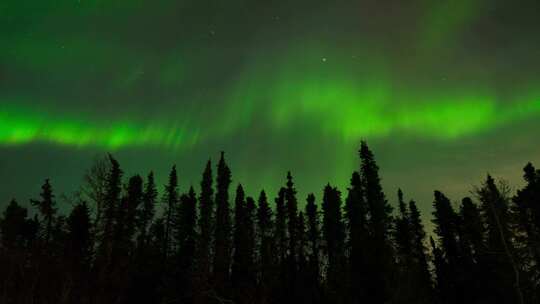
x,y
204,247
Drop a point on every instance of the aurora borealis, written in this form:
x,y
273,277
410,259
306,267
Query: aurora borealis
x,y
444,91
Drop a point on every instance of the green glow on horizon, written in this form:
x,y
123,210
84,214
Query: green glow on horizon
x,y
353,120
22,126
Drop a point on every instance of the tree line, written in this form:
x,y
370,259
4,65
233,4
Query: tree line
x,y
124,243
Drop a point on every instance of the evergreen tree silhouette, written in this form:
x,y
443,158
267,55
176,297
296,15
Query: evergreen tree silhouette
x,y
144,270
250,279
292,224
170,199
185,237
356,215
380,268
126,225
334,236
302,286
474,250
405,290
222,236
240,235
14,244
47,209
444,286
206,210
505,273
12,226
78,255
423,288
525,211
280,235
266,248
119,253
449,275
112,203
105,289
147,211
313,243
403,233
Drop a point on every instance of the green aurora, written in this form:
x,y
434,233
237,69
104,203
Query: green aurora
x,y
444,90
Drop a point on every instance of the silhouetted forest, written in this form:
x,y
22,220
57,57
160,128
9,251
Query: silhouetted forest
x,y
122,242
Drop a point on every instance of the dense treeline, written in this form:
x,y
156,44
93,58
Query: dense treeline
x,y
212,247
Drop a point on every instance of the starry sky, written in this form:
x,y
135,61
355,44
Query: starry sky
x,y
443,91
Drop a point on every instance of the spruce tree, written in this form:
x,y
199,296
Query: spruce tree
x,y
185,237
222,236
313,238
112,203
422,290
239,267
380,218
147,211
405,290
292,222
47,208
525,211
131,206
379,269
12,226
266,249
79,238
280,228
206,210
334,236
447,229
170,200
356,216
505,273
78,252
474,250
403,233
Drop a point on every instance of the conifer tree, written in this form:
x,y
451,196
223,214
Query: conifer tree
x,y
334,236
147,211
79,238
47,209
127,221
239,270
313,242
12,226
222,236
282,279
379,209
292,221
447,229
281,229
422,290
206,210
403,233
185,236
170,199
112,203
266,246
313,239
505,273
474,250
525,211
380,255
78,252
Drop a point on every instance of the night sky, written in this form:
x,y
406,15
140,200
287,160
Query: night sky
x,y
443,91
